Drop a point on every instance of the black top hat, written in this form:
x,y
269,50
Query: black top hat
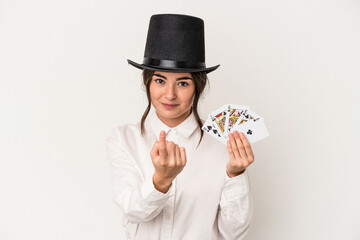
x,y
175,43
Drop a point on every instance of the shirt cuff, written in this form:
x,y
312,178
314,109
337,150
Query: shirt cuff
x,y
149,192
236,187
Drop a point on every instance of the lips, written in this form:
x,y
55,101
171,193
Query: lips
x,y
169,106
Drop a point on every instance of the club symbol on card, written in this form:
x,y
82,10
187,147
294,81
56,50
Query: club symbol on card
x,y
249,132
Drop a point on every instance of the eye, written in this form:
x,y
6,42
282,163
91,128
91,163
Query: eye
x,y
183,84
159,81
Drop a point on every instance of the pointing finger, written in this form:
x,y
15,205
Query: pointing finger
x,y
240,145
230,151
234,146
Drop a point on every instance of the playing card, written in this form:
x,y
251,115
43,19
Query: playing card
x,y
234,114
219,119
209,128
232,117
253,130
248,115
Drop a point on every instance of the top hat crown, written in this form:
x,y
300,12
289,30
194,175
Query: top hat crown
x,y
175,43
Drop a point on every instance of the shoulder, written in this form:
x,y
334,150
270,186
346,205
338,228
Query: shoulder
x,y
122,133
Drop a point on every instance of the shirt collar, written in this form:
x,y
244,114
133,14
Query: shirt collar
x,y
186,128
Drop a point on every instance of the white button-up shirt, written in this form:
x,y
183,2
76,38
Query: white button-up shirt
x,y
202,201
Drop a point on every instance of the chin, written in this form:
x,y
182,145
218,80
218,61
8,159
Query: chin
x,y
169,114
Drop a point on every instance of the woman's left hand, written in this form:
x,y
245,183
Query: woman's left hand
x,y
240,153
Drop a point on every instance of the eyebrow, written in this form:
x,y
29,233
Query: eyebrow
x,y
181,78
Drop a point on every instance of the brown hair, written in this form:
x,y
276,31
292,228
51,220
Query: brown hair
x,y
200,80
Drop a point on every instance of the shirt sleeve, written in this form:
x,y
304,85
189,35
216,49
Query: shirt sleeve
x,y
235,208
137,198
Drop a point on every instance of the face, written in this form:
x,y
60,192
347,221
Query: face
x,y
172,95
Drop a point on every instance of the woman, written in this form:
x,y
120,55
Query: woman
x,y
170,180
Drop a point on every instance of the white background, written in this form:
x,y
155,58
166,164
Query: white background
x,y
65,83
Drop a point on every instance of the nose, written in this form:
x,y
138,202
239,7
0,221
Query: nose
x,y
170,92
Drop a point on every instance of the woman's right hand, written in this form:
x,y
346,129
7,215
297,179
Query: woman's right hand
x,y
169,160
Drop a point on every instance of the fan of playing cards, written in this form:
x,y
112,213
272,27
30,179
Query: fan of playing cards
x,y
231,117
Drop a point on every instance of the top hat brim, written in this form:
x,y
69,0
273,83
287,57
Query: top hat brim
x,y
142,66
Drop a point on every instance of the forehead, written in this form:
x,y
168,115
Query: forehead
x,y
173,74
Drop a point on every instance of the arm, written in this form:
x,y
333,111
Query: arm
x,y
137,198
235,208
